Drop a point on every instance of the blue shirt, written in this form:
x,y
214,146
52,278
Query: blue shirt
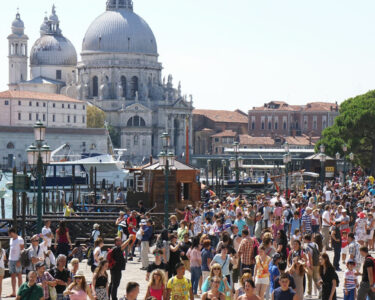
x,y
147,233
274,272
205,255
295,225
240,224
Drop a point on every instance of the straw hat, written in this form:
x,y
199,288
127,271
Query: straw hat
x,y
79,274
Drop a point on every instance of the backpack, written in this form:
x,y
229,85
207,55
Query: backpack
x,y
315,255
110,259
92,236
25,259
90,256
289,217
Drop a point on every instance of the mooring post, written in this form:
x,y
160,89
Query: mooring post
x,y
2,208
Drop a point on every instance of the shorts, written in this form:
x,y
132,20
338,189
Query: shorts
x,y
345,250
2,272
361,236
265,280
13,269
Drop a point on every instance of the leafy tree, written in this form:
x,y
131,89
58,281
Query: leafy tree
x,y
355,126
114,133
95,117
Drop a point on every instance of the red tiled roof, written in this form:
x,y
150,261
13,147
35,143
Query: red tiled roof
x,y
246,139
225,116
320,106
299,140
313,106
225,133
36,96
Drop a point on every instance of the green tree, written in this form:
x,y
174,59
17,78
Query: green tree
x,y
95,117
114,133
355,126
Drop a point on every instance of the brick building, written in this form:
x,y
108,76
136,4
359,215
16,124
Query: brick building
x,y
280,118
216,129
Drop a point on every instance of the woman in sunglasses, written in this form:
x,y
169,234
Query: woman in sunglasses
x,y
214,293
156,287
216,271
79,289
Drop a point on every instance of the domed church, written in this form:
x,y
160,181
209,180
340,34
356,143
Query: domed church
x,y
119,72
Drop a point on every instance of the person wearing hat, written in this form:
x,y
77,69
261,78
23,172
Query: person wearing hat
x,y
45,279
95,233
336,244
146,232
79,289
36,253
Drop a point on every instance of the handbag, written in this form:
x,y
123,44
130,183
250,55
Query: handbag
x,y
52,293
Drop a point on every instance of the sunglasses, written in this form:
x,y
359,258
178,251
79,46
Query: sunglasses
x,y
216,269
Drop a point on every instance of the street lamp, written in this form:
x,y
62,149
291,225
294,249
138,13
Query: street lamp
x,y
208,170
38,157
345,150
223,164
322,158
237,164
166,160
287,158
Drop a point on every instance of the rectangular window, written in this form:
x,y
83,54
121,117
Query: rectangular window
x,y
37,104
44,117
83,107
144,142
19,103
68,105
44,104
53,118
58,74
30,117
276,125
37,117
75,106
262,125
83,119
62,105
19,116
75,119
315,122
30,103
68,119
216,140
216,150
53,105
6,102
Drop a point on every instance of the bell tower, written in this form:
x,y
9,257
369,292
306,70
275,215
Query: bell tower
x,y
17,53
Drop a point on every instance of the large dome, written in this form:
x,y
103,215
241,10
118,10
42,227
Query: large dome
x,y
53,50
121,31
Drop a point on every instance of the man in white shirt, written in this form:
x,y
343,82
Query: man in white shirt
x,y
36,253
16,245
328,194
47,234
326,225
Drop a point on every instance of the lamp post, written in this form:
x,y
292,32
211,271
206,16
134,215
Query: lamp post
x,y
38,157
166,160
223,164
322,158
344,149
236,164
351,157
208,170
337,155
287,158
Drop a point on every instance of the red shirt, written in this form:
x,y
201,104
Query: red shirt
x,y
132,224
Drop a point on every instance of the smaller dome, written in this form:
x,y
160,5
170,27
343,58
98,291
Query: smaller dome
x,y
53,50
17,25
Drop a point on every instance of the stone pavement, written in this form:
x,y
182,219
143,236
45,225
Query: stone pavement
x,y
133,273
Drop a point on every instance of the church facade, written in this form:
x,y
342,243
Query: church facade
x,y
119,72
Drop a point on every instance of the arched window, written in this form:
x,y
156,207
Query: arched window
x,y
123,84
95,86
133,86
136,121
269,125
10,145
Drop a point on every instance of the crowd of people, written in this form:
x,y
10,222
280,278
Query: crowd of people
x,y
234,247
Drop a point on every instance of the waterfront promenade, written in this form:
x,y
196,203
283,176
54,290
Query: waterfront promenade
x,y
133,273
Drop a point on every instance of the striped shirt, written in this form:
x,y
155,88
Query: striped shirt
x,y
306,220
350,280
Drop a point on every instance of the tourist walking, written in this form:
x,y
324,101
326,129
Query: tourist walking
x,y
99,285
117,263
350,281
336,244
329,279
79,289
179,287
249,291
284,292
156,286
146,232
3,258
195,257
62,275
261,272
214,292
63,242
326,225
45,279
30,290
367,285
132,291
16,245
98,255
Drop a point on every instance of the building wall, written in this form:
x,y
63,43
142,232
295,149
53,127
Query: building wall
x,y
19,112
14,141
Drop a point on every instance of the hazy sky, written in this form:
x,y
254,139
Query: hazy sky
x,y
238,53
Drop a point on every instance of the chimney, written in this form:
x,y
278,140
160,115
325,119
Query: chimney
x,y
150,160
